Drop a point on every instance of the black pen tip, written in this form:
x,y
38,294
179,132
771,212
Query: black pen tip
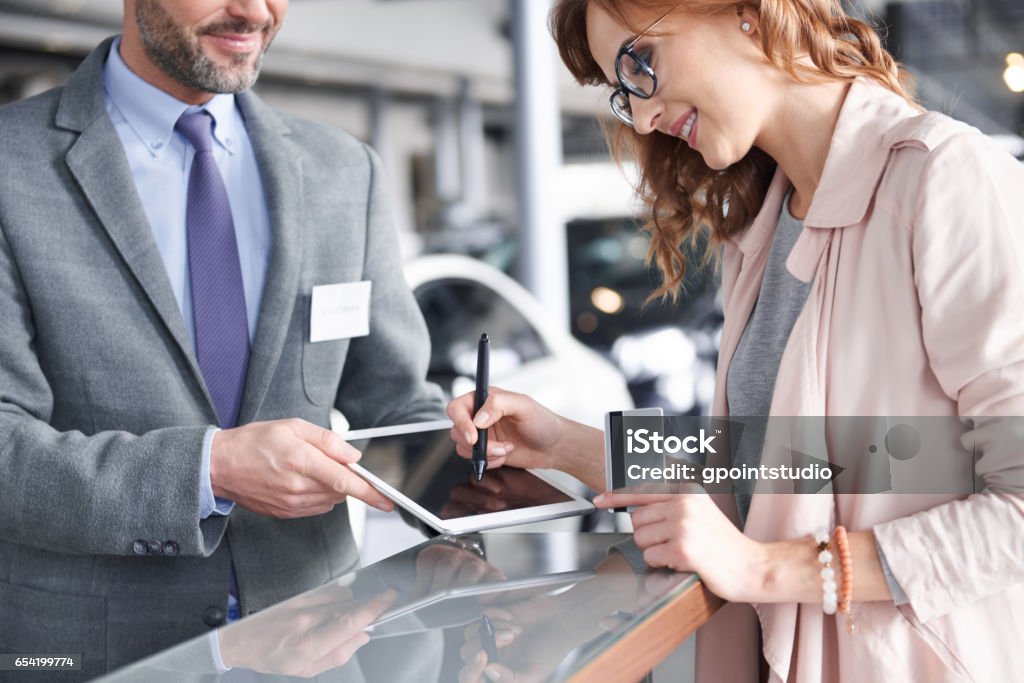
x,y
483,337
479,466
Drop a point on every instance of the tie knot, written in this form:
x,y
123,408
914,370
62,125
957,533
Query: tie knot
x,y
196,129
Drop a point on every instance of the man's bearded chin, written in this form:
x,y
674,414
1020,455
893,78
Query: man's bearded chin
x,y
180,55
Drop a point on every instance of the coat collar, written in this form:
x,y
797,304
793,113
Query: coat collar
x,y
858,153
81,99
97,163
280,160
871,122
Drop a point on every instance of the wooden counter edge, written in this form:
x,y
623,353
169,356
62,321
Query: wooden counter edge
x,y
639,651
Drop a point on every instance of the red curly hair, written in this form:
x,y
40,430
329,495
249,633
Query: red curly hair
x,y
684,198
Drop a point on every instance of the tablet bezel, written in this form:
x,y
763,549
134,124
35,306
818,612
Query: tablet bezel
x,y
464,525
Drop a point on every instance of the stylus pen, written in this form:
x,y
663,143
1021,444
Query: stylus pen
x,y
487,639
483,356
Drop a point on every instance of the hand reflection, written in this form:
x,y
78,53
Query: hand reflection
x,y
440,566
523,640
304,636
503,488
533,636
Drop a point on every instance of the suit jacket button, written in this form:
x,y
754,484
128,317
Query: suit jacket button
x,y
213,616
155,548
170,548
140,547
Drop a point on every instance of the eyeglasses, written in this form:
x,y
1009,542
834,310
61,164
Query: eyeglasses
x,y
636,77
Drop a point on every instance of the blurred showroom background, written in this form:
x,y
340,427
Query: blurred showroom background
x,y
497,160
514,219
495,154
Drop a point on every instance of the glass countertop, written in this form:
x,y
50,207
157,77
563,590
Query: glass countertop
x,y
540,605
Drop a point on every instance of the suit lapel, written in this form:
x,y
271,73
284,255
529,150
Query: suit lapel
x,y
106,182
97,163
281,173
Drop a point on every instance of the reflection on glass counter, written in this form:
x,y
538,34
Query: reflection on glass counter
x,y
536,605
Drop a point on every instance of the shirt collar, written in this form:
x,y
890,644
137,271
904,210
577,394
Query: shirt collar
x,y
152,113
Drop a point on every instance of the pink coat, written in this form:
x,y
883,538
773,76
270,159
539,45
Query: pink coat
x,y
915,240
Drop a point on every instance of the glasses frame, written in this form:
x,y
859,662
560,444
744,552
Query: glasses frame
x,y
624,90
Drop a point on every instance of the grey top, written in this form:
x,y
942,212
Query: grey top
x,y
751,380
755,364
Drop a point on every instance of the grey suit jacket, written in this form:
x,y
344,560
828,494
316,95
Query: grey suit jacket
x,y
103,406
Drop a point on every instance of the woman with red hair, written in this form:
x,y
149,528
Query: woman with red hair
x,y
872,260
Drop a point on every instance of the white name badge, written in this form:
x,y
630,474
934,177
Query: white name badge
x,y
340,311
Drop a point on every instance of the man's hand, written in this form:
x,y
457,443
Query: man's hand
x,y
287,469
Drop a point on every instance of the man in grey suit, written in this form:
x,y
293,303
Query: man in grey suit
x,y
170,349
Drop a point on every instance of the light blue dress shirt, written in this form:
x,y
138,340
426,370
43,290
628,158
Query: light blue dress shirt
x,y
160,160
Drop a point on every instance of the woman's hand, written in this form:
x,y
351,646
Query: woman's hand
x,y
523,433
688,532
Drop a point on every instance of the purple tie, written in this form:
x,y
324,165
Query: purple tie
x,y
218,298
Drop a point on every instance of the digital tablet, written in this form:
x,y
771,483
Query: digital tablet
x,y
416,466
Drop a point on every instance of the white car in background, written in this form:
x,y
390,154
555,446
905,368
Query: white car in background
x,y
462,297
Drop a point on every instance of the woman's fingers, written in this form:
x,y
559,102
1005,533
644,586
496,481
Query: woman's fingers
x,y
497,451
621,500
664,555
499,403
650,514
654,534
460,412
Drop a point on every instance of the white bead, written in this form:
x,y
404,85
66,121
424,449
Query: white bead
x,y
824,557
822,536
829,607
828,574
829,586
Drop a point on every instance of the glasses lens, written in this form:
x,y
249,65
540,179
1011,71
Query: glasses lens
x,y
621,108
635,75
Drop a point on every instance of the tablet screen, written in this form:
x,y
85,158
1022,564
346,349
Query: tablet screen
x,y
425,467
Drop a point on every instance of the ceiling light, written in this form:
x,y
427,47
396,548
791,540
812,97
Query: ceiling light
x,y
607,300
1014,73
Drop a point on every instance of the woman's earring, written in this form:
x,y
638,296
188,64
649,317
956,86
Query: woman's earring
x,y
745,26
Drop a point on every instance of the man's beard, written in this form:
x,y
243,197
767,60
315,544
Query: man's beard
x,y
182,58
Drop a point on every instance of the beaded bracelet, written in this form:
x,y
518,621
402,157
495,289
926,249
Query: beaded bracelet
x,y
846,565
829,599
